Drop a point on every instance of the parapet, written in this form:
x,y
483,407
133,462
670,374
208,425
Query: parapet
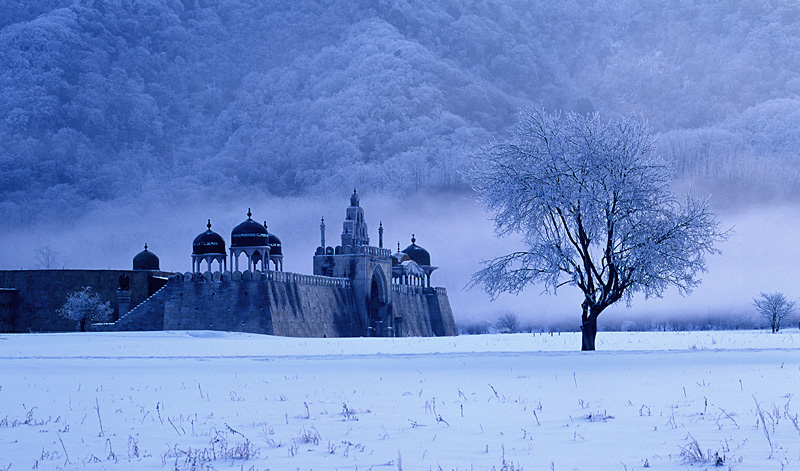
x,y
279,276
359,250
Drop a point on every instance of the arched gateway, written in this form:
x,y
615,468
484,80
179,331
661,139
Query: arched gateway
x,y
380,319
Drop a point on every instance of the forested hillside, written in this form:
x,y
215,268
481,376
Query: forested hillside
x,y
101,100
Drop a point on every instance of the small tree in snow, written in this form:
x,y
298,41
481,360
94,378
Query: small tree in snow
x,y
507,324
593,204
85,306
774,308
46,257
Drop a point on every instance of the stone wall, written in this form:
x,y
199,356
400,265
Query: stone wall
x,y
232,306
313,311
8,301
41,292
277,303
285,304
425,311
442,320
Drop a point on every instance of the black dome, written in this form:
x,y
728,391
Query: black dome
x,y
145,260
249,234
209,242
275,247
417,253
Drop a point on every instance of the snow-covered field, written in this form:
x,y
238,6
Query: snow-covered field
x,y
211,400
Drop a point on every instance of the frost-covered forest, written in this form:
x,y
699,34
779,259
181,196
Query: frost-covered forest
x,y
102,100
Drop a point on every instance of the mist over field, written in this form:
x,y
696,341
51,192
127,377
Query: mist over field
x,y
130,122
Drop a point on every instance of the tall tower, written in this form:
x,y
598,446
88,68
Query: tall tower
x,y
354,228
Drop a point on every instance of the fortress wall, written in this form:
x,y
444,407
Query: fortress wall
x,y
284,305
41,292
443,320
313,311
409,303
8,301
425,312
232,306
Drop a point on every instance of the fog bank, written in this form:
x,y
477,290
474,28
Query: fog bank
x,y
761,255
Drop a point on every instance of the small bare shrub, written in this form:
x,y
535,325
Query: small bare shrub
x,y
507,323
348,413
219,448
507,465
691,453
310,435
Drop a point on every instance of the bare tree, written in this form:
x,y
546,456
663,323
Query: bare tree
x,y
507,323
85,306
593,204
46,257
774,308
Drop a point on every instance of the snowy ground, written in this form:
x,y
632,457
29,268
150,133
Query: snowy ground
x,y
210,400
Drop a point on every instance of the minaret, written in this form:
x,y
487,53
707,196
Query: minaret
x,y
380,235
322,233
354,228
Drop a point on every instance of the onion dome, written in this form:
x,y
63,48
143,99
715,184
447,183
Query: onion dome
x,y
417,253
275,247
145,260
399,257
249,234
209,242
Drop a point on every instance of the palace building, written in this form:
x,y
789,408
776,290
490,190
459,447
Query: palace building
x,y
356,289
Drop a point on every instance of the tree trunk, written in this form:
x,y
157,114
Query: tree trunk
x,y
589,332
588,327
83,325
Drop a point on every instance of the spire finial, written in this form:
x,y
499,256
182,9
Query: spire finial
x,y
265,225
209,225
249,213
145,246
398,245
413,240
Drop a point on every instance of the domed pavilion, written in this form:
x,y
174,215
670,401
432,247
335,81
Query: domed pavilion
x,y
415,255
251,239
208,247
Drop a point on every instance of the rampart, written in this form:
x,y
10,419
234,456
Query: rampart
x,y
274,303
425,311
280,303
34,296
